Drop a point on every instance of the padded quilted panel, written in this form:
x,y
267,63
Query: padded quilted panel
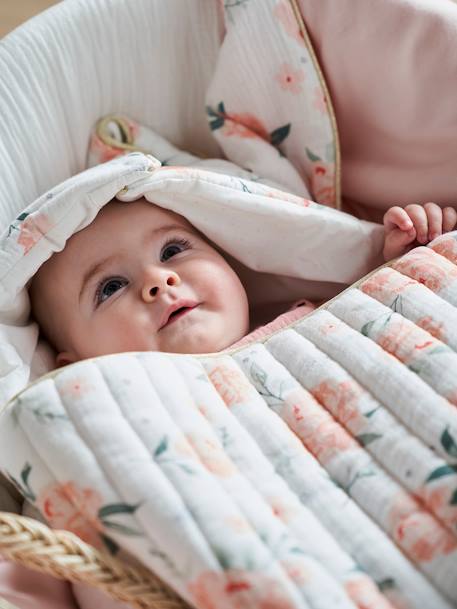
x,y
329,449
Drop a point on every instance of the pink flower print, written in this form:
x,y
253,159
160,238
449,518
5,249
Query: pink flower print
x,y
386,283
282,508
289,79
315,427
433,327
287,196
231,384
323,183
423,265
75,388
341,399
417,532
238,589
438,500
297,572
328,327
182,447
237,524
365,594
319,100
103,152
377,283
212,456
395,336
329,440
73,508
32,229
446,246
244,125
286,17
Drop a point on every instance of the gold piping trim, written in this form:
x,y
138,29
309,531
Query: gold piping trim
x,y
304,31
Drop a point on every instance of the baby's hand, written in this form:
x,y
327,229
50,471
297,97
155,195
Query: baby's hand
x,y
415,223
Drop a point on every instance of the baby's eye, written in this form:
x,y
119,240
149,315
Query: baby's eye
x,y
108,287
173,247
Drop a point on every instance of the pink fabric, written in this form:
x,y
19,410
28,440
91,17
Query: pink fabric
x,y
298,310
32,590
28,589
391,68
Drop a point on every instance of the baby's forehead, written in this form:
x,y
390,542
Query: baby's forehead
x,y
123,219
141,210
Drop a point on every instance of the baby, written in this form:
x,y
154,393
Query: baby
x,y
141,278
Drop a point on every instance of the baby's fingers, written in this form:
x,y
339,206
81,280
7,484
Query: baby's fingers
x,y
435,220
397,242
449,219
396,217
419,219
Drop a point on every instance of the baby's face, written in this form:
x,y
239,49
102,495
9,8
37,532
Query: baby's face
x,y
139,278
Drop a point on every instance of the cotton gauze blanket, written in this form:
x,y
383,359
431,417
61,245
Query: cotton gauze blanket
x,y
315,468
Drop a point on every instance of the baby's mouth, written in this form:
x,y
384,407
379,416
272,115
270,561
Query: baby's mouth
x,y
176,312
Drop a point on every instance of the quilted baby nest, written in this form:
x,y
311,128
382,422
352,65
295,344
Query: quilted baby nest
x,y
313,469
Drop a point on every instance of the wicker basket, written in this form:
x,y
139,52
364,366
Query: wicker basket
x,y
63,555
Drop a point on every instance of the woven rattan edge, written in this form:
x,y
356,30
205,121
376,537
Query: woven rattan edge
x,y
63,555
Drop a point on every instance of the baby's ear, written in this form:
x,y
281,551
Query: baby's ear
x,y
65,358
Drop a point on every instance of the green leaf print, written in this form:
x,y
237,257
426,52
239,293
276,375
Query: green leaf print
x,y
162,447
366,328
386,584
244,186
111,545
279,135
453,500
223,557
121,528
312,157
117,508
217,123
258,375
44,416
234,3
24,485
216,118
211,112
367,438
439,472
186,468
19,219
370,413
448,443
397,304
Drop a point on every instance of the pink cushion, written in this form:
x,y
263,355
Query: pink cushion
x,y
391,66
32,590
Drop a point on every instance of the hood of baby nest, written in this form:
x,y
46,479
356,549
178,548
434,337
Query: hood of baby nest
x,y
284,247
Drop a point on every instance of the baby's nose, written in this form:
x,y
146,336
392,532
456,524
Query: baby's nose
x,y
157,282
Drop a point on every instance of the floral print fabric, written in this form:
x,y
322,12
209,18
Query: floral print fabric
x,y
268,106
314,467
